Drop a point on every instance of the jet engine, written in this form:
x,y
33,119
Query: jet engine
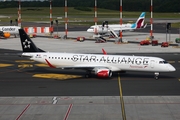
x,y
102,72
7,35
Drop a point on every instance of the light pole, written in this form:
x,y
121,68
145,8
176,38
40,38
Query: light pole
x,y
120,22
19,14
66,20
151,21
95,15
50,7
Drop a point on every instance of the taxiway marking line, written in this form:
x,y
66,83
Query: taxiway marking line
x,y
56,76
24,61
23,112
121,98
25,65
5,65
171,61
68,112
42,65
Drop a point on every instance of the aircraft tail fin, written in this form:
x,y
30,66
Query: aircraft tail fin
x,y
27,44
140,21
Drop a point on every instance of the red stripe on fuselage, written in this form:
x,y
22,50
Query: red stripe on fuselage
x,y
50,65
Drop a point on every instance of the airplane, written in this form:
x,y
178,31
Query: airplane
x,y
105,28
101,65
7,31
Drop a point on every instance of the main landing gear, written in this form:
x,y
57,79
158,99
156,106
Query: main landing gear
x,y
156,75
88,74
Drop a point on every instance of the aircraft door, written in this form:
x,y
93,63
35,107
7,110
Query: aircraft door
x,y
152,63
44,56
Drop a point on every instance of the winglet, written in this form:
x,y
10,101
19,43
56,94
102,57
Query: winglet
x,y
104,52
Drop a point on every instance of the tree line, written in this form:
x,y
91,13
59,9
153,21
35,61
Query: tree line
x,y
128,5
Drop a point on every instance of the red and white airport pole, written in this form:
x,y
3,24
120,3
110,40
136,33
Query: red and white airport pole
x,y
19,14
120,32
66,19
50,7
50,16
151,20
95,16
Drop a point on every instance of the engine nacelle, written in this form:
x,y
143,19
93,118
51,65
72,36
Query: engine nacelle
x,y
102,73
7,35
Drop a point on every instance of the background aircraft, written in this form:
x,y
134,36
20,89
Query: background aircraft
x,y
100,65
7,31
105,28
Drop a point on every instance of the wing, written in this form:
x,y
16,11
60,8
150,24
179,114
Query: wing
x,y
89,67
85,66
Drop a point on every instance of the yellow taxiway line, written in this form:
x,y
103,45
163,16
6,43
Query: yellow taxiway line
x,y
42,65
25,66
5,65
24,61
57,76
171,61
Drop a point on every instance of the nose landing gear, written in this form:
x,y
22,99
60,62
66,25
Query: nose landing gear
x,y
156,75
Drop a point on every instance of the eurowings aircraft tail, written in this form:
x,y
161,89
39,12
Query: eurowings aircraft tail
x,y
140,21
27,43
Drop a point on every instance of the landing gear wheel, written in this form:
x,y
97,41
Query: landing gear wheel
x,y
88,74
156,75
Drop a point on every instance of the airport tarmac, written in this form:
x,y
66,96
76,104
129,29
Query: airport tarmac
x,y
89,46
91,107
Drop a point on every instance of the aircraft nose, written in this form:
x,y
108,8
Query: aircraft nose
x,y
171,68
88,30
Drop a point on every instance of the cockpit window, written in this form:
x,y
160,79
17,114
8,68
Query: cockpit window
x,y
91,28
163,62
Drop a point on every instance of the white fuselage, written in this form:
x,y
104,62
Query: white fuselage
x,y
111,62
116,27
10,29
